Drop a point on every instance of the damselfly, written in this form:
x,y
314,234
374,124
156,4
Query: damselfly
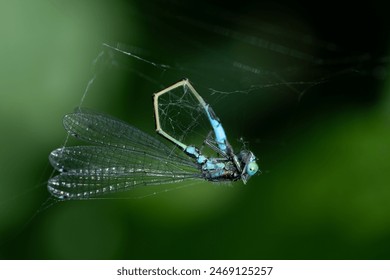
x,y
123,157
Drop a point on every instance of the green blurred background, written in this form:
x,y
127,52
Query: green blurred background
x,y
307,86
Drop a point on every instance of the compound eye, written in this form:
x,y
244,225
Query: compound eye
x,y
252,168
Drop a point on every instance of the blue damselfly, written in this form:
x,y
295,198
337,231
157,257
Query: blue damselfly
x,y
122,157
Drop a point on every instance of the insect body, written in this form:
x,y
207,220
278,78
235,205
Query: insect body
x,y
229,166
122,157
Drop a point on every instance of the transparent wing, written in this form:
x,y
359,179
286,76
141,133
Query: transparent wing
x,y
125,157
93,183
105,130
78,158
89,171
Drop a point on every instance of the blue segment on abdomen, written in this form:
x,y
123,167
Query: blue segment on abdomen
x,y
220,135
192,151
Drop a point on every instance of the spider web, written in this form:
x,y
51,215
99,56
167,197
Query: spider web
x,y
257,66
183,117
266,71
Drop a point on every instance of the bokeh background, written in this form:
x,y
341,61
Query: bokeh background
x,y
306,84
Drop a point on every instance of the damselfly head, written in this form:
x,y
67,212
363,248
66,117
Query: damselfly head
x,y
248,164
